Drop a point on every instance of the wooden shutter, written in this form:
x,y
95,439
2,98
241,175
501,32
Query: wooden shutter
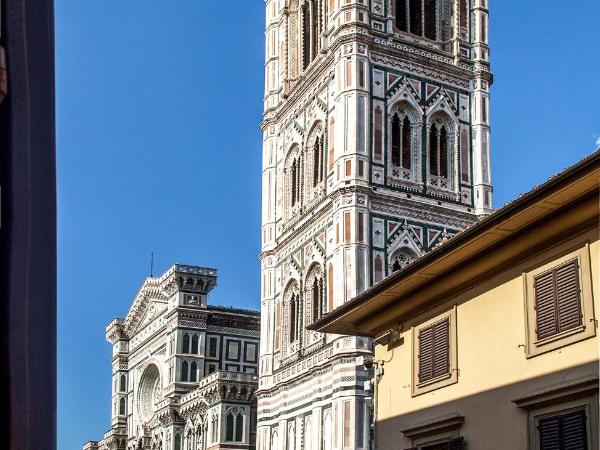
x,y
434,351
567,431
456,444
557,300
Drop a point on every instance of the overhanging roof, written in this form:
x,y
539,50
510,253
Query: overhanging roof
x,y
367,313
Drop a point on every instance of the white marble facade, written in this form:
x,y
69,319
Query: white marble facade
x,y
184,372
375,150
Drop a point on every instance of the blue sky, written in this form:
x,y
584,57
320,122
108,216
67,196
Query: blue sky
x,y
158,107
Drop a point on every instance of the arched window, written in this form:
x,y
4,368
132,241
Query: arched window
x,y
306,29
122,406
294,317
234,426
318,161
275,440
434,150
239,428
294,174
184,371
193,371
440,144
465,157
186,343
215,428
464,11
317,298
420,17
123,383
229,426
178,441
401,142
396,145
195,344
401,258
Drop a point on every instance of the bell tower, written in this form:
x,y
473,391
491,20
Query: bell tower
x,y
375,150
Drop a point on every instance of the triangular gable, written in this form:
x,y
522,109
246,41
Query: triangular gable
x,y
432,235
430,90
418,232
416,84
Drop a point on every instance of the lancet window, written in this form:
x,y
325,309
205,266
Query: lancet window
x,y
315,293
441,144
312,27
234,424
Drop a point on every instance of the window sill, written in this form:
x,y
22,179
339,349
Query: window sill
x,y
434,380
559,336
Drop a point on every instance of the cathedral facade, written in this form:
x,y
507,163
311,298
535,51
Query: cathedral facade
x,y
184,373
375,150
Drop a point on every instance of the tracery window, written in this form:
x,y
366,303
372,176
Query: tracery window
x,y
401,258
312,20
441,139
318,161
293,309
234,425
315,293
294,172
419,17
184,371
401,142
195,344
186,343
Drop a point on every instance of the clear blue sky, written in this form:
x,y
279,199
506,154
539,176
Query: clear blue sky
x,y
159,149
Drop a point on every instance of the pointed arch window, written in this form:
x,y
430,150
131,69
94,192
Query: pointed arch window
x,y
294,176
193,371
184,371
318,161
122,406
294,317
439,147
401,142
234,426
401,259
186,343
311,30
195,344
317,297
123,384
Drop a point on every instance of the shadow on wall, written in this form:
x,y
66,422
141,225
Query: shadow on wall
x,y
492,420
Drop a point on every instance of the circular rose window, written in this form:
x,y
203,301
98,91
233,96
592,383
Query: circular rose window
x,y
149,392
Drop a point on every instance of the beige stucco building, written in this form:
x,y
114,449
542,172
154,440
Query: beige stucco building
x,y
490,340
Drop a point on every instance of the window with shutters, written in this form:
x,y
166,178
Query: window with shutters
x,y
569,421
435,356
566,431
559,302
446,444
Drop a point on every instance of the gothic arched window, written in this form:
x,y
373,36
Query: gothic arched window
x,y
311,30
122,406
401,258
184,371
317,298
195,344
294,316
439,154
420,17
315,294
401,142
318,161
123,384
234,426
193,371
186,343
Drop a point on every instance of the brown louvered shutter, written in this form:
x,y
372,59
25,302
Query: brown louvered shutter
x,y
567,431
434,351
557,300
